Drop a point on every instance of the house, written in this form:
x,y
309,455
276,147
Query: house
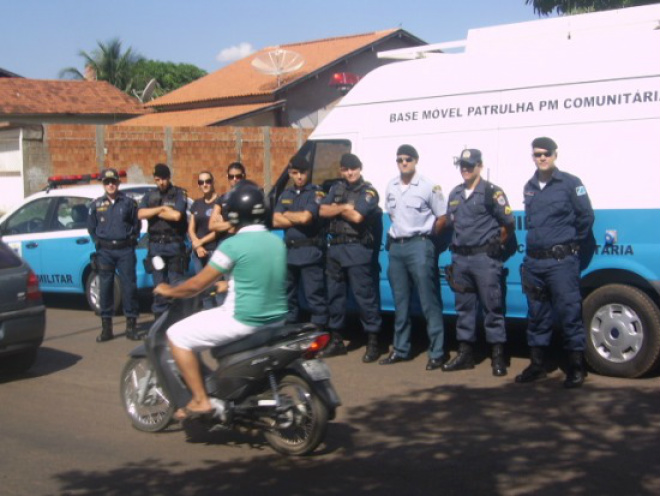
x,y
26,105
241,95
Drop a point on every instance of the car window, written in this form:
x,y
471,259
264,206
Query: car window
x,y
72,213
8,258
30,218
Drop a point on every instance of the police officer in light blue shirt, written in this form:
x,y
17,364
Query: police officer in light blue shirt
x,y
416,207
114,227
482,222
559,220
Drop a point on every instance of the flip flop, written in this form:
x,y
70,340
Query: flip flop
x,y
186,413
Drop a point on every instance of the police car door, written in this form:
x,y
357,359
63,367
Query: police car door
x,y
26,230
66,251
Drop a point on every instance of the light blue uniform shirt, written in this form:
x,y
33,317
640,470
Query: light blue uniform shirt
x,y
414,208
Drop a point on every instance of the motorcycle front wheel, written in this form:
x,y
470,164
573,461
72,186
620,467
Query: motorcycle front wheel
x,y
144,400
301,427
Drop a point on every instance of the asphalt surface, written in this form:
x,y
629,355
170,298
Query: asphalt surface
x,y
401,430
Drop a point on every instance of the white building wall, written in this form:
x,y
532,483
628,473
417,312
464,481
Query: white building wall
x,y
11,169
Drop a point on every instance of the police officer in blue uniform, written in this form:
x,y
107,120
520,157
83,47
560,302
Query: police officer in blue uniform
x,y
114,227
165,210
416,208
297,211
352,210
482,222
559,220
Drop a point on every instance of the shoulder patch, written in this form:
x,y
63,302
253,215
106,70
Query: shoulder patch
x,y
507,210
499,198
580,191
370,192
437,188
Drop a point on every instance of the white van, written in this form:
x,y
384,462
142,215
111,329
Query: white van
x,y
592,83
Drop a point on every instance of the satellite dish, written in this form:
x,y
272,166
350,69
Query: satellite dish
x,y
278,62
148,91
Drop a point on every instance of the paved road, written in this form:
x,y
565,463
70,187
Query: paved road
x,y
402,430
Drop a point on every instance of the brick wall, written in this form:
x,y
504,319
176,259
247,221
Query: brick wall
x,y
79,149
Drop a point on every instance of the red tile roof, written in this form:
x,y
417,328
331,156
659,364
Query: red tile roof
x,y
240,79
196,117
19,96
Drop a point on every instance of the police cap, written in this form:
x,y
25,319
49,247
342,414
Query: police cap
x,y
350,161
544,144
162,171
408,150
110,174
299,163
470,157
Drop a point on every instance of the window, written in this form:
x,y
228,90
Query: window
x,y
30,218
325,163
8,258
72,213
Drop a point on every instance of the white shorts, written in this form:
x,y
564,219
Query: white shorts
x,y
210,328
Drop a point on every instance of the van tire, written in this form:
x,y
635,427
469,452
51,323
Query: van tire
x,y
623,331
93,293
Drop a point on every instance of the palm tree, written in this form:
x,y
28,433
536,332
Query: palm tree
x,y
107,63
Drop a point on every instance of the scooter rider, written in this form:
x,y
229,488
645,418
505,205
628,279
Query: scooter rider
x,y
256,259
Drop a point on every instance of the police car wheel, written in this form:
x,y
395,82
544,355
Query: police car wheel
x,y
93,293
623,331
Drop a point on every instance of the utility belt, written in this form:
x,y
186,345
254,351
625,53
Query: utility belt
x,y
297,243
470,250
165,238
402,240
558,252
115,244
345,239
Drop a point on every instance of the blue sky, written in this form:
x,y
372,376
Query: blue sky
x,y
41,37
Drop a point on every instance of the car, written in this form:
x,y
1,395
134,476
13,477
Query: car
x,y
22,313
49,231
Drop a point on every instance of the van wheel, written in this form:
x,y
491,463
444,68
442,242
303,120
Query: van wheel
x,y
623,331
93,293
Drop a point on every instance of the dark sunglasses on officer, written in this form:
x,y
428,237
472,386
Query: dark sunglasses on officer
x,y
202,182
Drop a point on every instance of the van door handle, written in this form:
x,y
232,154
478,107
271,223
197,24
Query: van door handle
x,y
82,241
32,244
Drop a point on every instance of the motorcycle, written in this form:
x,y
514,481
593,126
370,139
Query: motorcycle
x,y
269,381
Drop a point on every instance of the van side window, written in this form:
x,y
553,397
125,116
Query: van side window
x,y
327,154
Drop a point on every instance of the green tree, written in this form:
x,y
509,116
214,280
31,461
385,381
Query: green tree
x,y
169,75
547,7
108,63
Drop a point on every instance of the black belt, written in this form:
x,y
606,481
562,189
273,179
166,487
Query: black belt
x,y
344,239
408,238
114,244
557,252
297,243
164,239
469,250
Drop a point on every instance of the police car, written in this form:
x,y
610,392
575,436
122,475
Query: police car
x,y
49,231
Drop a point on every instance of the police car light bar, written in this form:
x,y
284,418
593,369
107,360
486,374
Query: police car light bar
x,y
70,179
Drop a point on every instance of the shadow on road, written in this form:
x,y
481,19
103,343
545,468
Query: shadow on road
x,y
49,361
513,440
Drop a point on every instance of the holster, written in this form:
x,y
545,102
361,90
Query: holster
x,y
148,266
94,261
533,292
455,287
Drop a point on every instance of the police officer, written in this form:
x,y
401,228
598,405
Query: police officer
x,y
114,227
297,211
559,219
482,221
351,207
165,210
416,207
219,221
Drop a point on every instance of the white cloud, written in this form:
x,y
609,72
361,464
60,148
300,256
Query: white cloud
x,y
235,52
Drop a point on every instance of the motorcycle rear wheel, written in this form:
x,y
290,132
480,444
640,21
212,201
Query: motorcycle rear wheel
x,y
301,429
144,400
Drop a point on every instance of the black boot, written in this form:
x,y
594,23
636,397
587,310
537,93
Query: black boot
x,y
335,347
575,373
106,330
131,331
463,361
373,352
498,362
536,369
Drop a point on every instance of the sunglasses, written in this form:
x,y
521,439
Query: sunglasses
x,y
109,181
543,154
234,176
401,160
204,181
